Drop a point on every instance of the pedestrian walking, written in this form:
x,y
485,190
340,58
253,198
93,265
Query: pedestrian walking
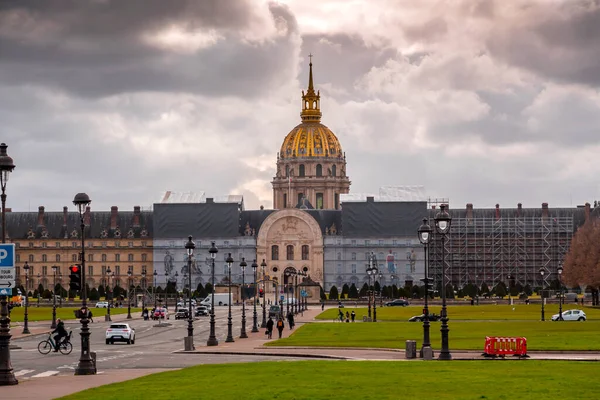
x,y
90,316
353,315
322,305
270,328
280,326
290,318
341,315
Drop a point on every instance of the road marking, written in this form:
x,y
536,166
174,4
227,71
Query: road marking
x,y
67,366
45,374
23,372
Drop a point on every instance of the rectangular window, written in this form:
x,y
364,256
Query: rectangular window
x,y
57,245
57,258
103,257
104,270
367,242
395,242
17,271
172,243
339,268
90,270
17,245
30,244
74,257
44,270
226,243
117,257
44,258
353,242
18,258
319,201
339,256
144,257
130,257
381,242
44,245
353,268
90,257
354,256
337,201
117,244
300,196
285,200
117,270
104,244
74,244
90,244
130,244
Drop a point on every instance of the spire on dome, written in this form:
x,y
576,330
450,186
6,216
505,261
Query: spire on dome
x,y
311,101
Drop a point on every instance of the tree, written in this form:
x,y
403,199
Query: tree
x,y
582,263
101,291
322,293
208,288
353,292
46,294
484,291
527,289
345,290
40,288
470,290
395,292
416,292
35,293
333,293
500,289
94,295
363,290
377,287
449,291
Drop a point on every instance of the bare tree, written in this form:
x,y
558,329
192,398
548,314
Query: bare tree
x,y
582,262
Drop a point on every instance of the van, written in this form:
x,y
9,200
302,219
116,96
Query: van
x,y
221,299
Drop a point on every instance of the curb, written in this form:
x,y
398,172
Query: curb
x,y
242,353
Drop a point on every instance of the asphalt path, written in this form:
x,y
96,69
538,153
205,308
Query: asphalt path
x,y
153,348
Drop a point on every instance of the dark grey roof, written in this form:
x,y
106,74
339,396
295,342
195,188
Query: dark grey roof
x,y
201,220
19,224
325,218
380,219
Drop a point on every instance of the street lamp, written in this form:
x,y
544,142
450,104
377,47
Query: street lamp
x,y
26,316
229,262
7,377
254,317
288,275
53,326
542,272
263,264
372,272
86,364
108,296
144,283
154,287
442,224
510,278
243,266
189,341
369,288
295,305
560,299
167,278
380,289
129,273
212,338
424,237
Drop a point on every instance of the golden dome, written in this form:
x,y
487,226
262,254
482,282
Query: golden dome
x,y
311,139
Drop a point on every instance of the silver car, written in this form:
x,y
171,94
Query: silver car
x,y
571,315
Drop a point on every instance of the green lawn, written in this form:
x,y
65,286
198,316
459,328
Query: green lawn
x,y
491,379
464,335
530,312
45,313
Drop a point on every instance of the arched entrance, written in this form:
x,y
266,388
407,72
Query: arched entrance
x,y
289,239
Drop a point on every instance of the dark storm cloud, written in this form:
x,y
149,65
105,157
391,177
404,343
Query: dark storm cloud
x,y
561,43
98,48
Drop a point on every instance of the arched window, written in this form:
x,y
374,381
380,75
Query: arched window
x,y
301,170
290,252
305,252
333,170
319,170
275,252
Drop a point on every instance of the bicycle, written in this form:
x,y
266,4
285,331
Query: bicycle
x,y
65,346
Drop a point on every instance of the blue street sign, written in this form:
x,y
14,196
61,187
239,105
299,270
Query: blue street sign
x,y
5,292
281,297
7,255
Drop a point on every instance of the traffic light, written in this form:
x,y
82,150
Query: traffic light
x,y
75,277
261,293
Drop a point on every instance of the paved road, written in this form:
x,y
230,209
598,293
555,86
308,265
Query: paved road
x,y
153,348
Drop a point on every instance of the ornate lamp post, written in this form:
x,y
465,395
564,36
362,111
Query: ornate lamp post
x,y
86,364
212,338
129,273
442,224
296,297
380,289
254,316
374,271
288,275
53,326
542,272
154,286
424,237
26,316
229,262
167,277
263,264
560,299
189,342
144,284
7,377
108,296
243,266
369,271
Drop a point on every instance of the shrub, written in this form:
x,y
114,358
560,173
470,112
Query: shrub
x,y
333,293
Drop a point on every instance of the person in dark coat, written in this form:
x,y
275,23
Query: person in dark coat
x,y
280,326
270,324
290,318
61,332
90,316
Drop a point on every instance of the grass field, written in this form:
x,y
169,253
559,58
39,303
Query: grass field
x,y
530,312
45,313
363,380
464,335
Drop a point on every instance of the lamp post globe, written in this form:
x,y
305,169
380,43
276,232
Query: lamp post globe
x,y
442,224
542,273
424,233
7,376
254,298
263,264
86,364
189,341
243,266
559,270
229,338
212,338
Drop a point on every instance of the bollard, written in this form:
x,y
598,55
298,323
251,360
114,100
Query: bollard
x,y
411,349
93,356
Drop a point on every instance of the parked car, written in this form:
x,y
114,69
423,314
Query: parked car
x,y
571,315
274,311
120,333
102,304
201,311
182,314
397,302
160,313
420,318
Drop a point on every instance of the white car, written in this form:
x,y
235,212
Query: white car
x,y
120,333
102,304
571,315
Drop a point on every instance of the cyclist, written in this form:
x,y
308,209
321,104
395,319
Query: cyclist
x,y
61,332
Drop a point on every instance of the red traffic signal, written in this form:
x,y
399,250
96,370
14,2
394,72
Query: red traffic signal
x,y
74,269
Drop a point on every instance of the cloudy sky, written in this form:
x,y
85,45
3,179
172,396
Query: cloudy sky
x,y
479,101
